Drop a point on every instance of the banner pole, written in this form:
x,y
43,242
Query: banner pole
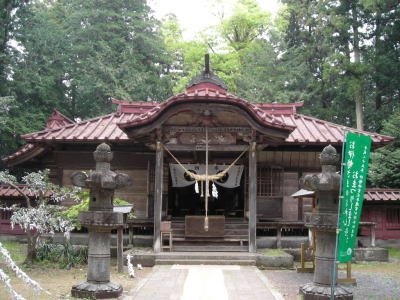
x,y
335,264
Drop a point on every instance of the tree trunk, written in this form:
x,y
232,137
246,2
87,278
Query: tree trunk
x,y
357,59
31,249
378,52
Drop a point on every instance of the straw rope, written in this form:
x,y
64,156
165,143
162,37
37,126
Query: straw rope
x,y
202,177
206,177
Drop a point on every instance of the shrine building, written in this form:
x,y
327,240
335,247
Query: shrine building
x,y
261,150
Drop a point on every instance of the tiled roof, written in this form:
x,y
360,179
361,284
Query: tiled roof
x,y
307,130
310,130
7,191
386,195
304,129
25,152
56,120
102,128
369,194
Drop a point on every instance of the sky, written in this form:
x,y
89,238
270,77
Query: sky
x,y
196,15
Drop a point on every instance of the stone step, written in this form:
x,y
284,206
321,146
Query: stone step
x,y
177,231
247,262
227,225
226,238
206,255
210,248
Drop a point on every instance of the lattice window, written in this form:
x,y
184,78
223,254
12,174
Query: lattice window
x,y
393,218
269,181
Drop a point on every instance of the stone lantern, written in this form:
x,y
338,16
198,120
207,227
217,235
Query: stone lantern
x,y
323,222
100,219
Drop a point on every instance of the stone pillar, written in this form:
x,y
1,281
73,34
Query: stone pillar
x,y
323,221
100,219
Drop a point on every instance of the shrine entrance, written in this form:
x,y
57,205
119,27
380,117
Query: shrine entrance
x,y
186,208
186,196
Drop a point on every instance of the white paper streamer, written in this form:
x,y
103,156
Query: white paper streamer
x,y
131,270
196,187
214,191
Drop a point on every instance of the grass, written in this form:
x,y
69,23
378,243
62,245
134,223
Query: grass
x,y
16,250
53,279
394,253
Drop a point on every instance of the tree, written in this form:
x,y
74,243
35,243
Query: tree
x,y
75,55
247,23
385,162
6,9
43,217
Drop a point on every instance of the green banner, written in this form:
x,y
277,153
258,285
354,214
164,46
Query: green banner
x,y
355,170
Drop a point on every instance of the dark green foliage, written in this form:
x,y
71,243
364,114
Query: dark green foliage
x,y
75,55
384,170
65,255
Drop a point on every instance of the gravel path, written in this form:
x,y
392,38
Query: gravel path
x,y
369,285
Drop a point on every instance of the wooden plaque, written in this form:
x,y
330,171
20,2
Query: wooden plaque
x,y
194,226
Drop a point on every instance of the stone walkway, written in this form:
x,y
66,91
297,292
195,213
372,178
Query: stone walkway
x,y
204,282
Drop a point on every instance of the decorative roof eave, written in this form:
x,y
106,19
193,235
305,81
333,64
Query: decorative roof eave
x,y
25,153
382,195
258,119
57,119
371,194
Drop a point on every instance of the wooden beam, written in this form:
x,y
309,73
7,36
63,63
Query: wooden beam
x,y
252,197
158,189
222,148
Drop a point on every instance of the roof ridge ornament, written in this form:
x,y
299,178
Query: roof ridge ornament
x,y
207,76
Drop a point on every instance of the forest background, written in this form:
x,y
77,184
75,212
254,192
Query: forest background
x,y
341,57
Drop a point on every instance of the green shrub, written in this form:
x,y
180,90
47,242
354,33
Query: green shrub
x,y
65,255
72,213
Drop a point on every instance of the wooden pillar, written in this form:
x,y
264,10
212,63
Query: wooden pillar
x,y
120,247
252,197
158,190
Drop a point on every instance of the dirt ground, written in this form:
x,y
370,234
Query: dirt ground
x,y
374,281
57,281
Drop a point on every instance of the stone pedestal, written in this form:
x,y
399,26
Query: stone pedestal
x,y
326,186
100,219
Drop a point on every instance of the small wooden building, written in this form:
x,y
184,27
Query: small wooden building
x,y
382,206
274,144
8,197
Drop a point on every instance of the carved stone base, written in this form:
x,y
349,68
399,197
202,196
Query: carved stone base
x,y
311,291
96,290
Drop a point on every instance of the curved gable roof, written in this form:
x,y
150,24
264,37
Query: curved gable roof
x,y
206,95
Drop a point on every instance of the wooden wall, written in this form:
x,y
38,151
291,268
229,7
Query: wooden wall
x,y
386,218
135,165
290,207
291,160
294,164
140,166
